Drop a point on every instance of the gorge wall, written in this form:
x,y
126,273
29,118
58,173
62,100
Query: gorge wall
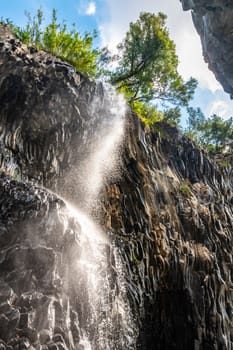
x,y
213,21
167,215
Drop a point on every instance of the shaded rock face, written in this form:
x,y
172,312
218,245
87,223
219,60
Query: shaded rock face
x,y
44,105
30,255
173,211
213,21
168,216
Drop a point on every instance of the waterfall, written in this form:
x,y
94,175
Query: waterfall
x,y
94,282
99,144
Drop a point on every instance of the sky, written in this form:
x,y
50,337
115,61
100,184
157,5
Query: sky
x,y
111,19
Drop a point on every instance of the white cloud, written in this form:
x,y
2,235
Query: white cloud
x,y
221,108
91,9
211,103
188,47
87,8
181,30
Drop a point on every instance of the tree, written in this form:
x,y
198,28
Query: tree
x,y
214,133
149,114
147,64
195,118
217,133
172,116
69,45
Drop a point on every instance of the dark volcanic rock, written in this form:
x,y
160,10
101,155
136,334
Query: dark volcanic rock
x,y
31,273
213,21
172,214
44,104
169,214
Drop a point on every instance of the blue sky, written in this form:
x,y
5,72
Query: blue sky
x,y
111,19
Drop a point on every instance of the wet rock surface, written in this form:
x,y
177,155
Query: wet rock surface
x,y
33,241
213,21
169,214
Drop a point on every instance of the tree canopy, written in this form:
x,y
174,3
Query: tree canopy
x,y
147,64
214,133
145,71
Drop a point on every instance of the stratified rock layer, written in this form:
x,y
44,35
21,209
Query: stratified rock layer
x,y
213,21
169,214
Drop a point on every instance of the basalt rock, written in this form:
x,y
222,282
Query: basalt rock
x,y
44,106
213,21
33,243
168,213
172,210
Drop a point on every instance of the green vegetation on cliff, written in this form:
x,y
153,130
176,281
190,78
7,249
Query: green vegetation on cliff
x,y
145,67
145,71
69,45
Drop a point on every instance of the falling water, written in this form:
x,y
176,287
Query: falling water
x,y
96,278
98,151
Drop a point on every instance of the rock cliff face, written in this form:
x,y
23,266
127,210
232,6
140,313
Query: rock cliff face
x,y
174,209
213,21
44,104
168,218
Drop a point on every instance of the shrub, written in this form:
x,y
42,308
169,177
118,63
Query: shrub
x,y
185,189
66,44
